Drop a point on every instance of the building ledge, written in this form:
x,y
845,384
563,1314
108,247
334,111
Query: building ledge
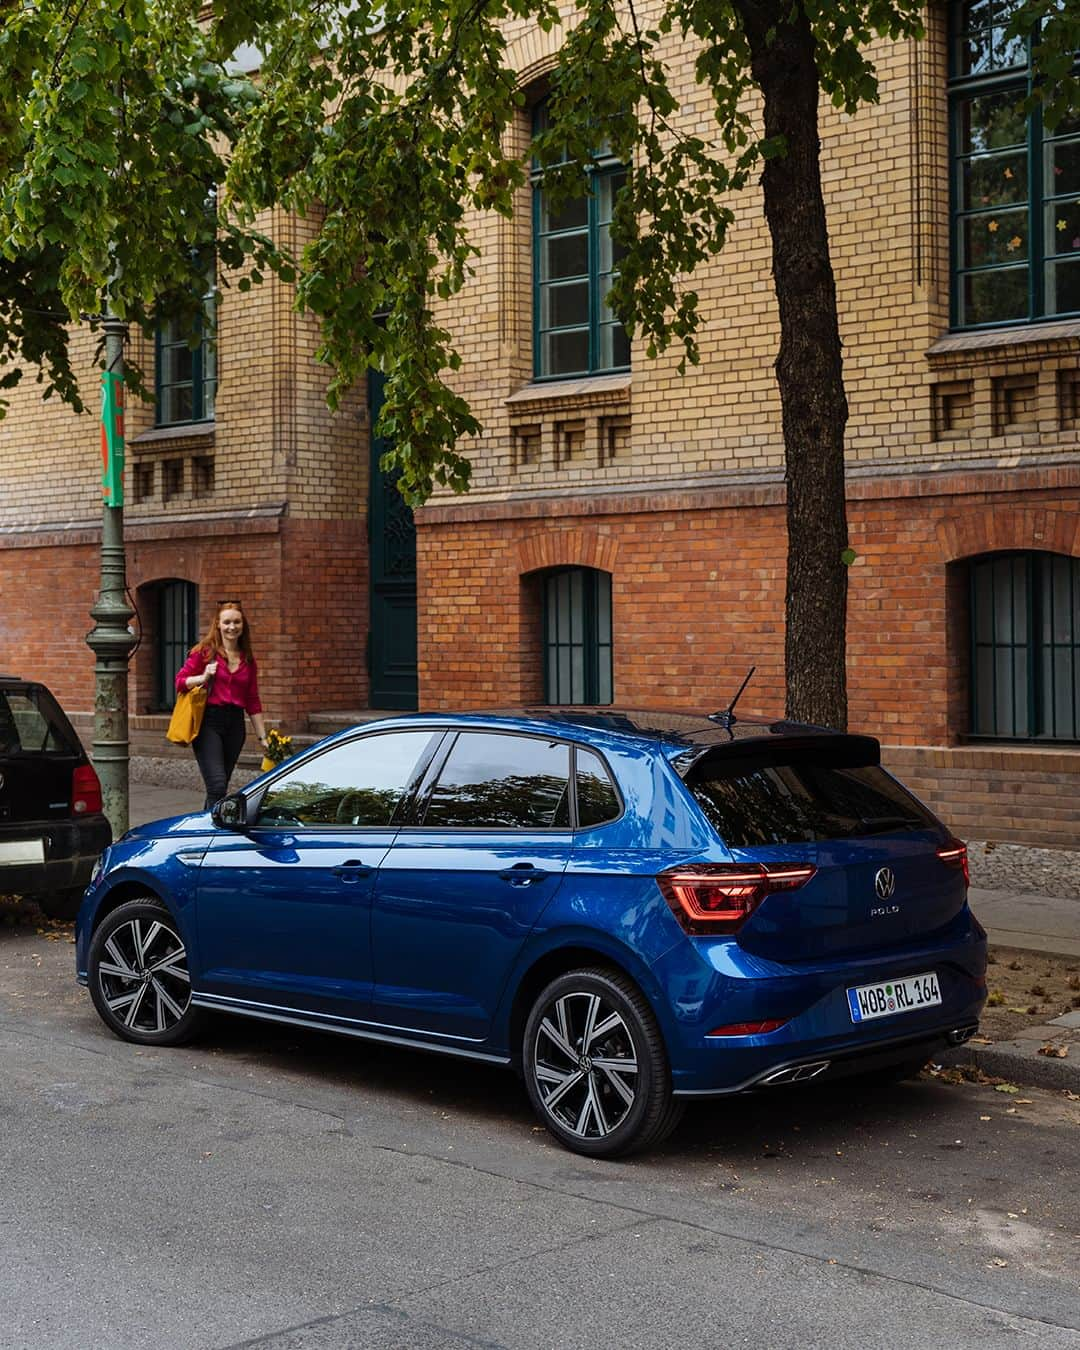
x,y
589,387
993,339
189,431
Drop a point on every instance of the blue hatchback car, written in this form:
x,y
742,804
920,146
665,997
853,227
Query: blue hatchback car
x,y
631,908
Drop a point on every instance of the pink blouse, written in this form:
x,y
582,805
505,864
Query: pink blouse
x,y
239,686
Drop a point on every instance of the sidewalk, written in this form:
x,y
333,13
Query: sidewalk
x,y
1029,921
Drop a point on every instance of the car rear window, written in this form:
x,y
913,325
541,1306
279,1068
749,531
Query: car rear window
x,y
29,726
801,801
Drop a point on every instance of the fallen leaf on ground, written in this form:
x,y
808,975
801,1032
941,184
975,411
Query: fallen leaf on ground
x,y
980,1040
1054,1051
1024,1101
1010,1088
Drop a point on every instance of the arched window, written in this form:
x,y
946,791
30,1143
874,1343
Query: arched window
x,y
1025,647
177,617
1015,183
575,261
577,636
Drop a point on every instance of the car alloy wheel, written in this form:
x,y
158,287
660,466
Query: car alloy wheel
x,y
595,1066
139,978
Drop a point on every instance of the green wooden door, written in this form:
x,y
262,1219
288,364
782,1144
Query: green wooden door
x,y
392,548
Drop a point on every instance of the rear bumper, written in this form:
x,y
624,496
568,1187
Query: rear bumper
x,y
844,1064
70,851
811,1001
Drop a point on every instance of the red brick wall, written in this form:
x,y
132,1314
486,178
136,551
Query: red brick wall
x,y
303,585
698,597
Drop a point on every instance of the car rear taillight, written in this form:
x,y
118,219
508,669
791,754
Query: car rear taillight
x,y
955,854
717,898
85,791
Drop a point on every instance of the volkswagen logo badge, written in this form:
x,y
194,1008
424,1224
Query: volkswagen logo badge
x,y
885,884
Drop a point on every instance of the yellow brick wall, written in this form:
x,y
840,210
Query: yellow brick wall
x,y
272,439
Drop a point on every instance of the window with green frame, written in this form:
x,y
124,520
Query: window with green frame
x,y
575,261
1015,186
1025,647
577,636
186,367
177,633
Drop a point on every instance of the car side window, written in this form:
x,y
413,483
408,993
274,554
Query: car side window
x,y
597,800
358,783
501,782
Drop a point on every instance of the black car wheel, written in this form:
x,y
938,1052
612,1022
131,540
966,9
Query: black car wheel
x,y
595,1066
139,977
60,904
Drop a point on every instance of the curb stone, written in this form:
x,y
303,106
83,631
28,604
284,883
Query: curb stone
x,y
1018,1061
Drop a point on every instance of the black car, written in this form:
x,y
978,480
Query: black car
x,y
51,824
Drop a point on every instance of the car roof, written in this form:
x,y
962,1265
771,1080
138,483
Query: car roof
x,y
681,736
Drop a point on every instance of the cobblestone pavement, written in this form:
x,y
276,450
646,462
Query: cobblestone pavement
x,y
1027,871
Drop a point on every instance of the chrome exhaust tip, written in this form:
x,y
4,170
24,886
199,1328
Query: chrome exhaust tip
x,y
959,1035
794,1073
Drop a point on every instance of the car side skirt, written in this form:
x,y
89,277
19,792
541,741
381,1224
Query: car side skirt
x,y
377,1031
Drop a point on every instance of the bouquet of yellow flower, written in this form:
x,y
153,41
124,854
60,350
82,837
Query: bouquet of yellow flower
x,y
278,749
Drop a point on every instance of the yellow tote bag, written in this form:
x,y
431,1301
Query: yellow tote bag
x,y
187,715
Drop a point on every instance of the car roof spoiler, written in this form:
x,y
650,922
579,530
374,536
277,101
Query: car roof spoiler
x,y
838,750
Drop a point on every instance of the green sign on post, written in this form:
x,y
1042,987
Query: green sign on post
x,y
112,438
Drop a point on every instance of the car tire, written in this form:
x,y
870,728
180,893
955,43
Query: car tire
x,y
589,1101
60,904
138,975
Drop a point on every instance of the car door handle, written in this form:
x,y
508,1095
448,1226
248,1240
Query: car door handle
x,y
523,874
353,870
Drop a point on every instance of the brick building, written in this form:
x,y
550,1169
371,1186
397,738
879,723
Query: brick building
x,y
624,537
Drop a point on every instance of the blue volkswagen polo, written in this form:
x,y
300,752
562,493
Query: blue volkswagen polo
x,y
632,909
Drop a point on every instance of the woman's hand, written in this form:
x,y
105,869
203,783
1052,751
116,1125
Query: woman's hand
x,y
211,670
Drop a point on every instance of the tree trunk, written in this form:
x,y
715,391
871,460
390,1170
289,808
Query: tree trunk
x,y
809,365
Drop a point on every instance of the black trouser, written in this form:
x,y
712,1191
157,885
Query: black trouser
x,y
217,747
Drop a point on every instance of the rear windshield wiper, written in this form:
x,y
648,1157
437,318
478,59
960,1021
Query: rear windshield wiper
x,y
875,823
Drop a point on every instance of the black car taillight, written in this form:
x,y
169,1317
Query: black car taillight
x,y
85,791
955,854
718,898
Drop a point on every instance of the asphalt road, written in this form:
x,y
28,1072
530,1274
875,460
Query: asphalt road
x,y
278,1189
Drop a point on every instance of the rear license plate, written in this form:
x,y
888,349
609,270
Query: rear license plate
x,y
890,997
16,851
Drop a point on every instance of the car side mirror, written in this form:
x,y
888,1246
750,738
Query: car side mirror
x,y
231,812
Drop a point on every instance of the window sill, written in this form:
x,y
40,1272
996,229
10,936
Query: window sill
x,y
185,431
586,387
994,339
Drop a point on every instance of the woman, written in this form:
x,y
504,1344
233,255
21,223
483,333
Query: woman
x,y
223,662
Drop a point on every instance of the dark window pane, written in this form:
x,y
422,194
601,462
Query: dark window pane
x,y
177,365
1063,287
1063,227
564,306
564,255
571,215
492,781
360,783
994,297
999,237
176,404
1062,168
991,122
566,353
597,799
993,180
801,801
614,347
